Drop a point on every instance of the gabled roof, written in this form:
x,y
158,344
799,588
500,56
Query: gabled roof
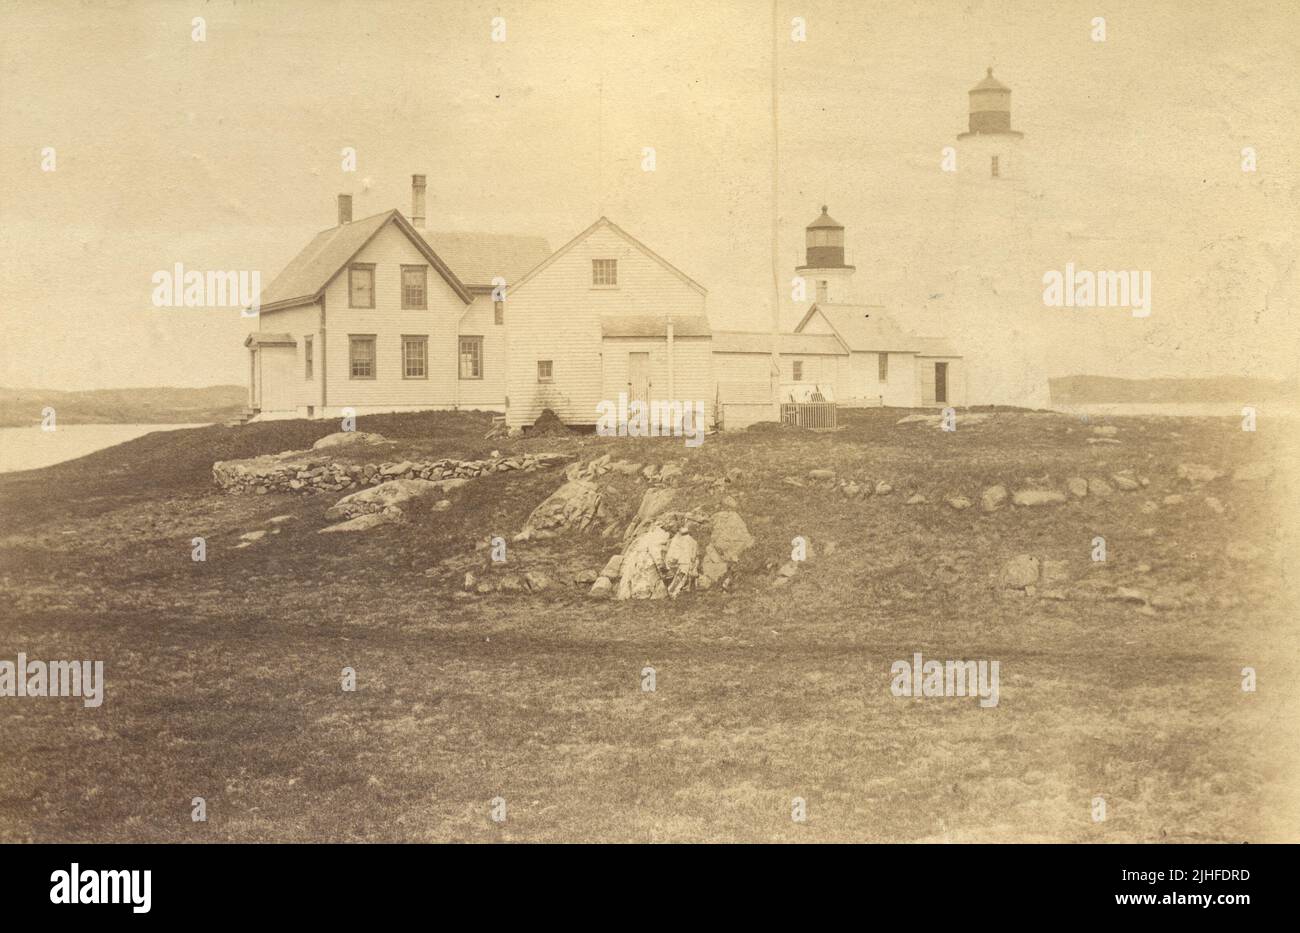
x,y
638,324
863,328
330,251
606,222
478,258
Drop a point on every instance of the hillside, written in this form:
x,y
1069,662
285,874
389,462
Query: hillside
x,y
1119,678
160,405
1244,390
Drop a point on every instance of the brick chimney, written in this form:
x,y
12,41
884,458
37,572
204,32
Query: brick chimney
x,y
345,209
417,200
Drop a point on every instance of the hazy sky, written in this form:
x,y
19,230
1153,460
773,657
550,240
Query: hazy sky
x,y
225,154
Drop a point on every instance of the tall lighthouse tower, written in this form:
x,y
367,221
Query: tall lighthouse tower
x,y
827,276
990,146
993,181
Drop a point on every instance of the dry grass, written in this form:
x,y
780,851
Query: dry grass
x,y
223,676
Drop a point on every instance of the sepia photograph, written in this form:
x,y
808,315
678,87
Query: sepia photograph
x,y
595,421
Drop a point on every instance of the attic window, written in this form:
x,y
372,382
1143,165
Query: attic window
x,y
823,289
604,272
361,286
414,291
545,370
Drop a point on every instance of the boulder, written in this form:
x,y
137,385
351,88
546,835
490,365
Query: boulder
x,y
821,474
1125,480
385,496
512,583
572,507
713,568
396,469
252,535
670,472
883,488
1034,497
1099,487
602,588
1054,571
729,536
1019,572
915,499
993,498
340,438
1078,486
583,577
960,503
612,567
644,566
362,522
536,580
1198,473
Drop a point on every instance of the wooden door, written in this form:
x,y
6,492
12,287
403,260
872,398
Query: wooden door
x,y
941,383
638,377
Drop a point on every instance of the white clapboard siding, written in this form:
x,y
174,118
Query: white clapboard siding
x,y
555,315
441,322
290,389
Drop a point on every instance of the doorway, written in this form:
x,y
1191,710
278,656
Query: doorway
x,y
638,377
941,383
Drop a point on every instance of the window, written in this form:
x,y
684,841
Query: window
x,y
414,279
994,167
361,286
823,290
361,356
498,312
415,357
307,360
797,365
545,370
471,357
604,272
882,360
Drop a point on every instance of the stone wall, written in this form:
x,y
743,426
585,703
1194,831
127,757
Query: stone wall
x,y
310,471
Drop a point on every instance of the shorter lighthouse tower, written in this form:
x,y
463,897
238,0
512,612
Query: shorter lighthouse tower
x,y
826,277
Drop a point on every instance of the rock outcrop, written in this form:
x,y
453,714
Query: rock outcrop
x,y
572,507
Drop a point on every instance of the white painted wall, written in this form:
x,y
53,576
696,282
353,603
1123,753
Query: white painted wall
x,y
556,316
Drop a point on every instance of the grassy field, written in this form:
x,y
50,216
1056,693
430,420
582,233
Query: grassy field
x,y
223,677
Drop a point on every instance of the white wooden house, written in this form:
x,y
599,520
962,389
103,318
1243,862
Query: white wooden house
x,y
604,315
377,315
371,317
